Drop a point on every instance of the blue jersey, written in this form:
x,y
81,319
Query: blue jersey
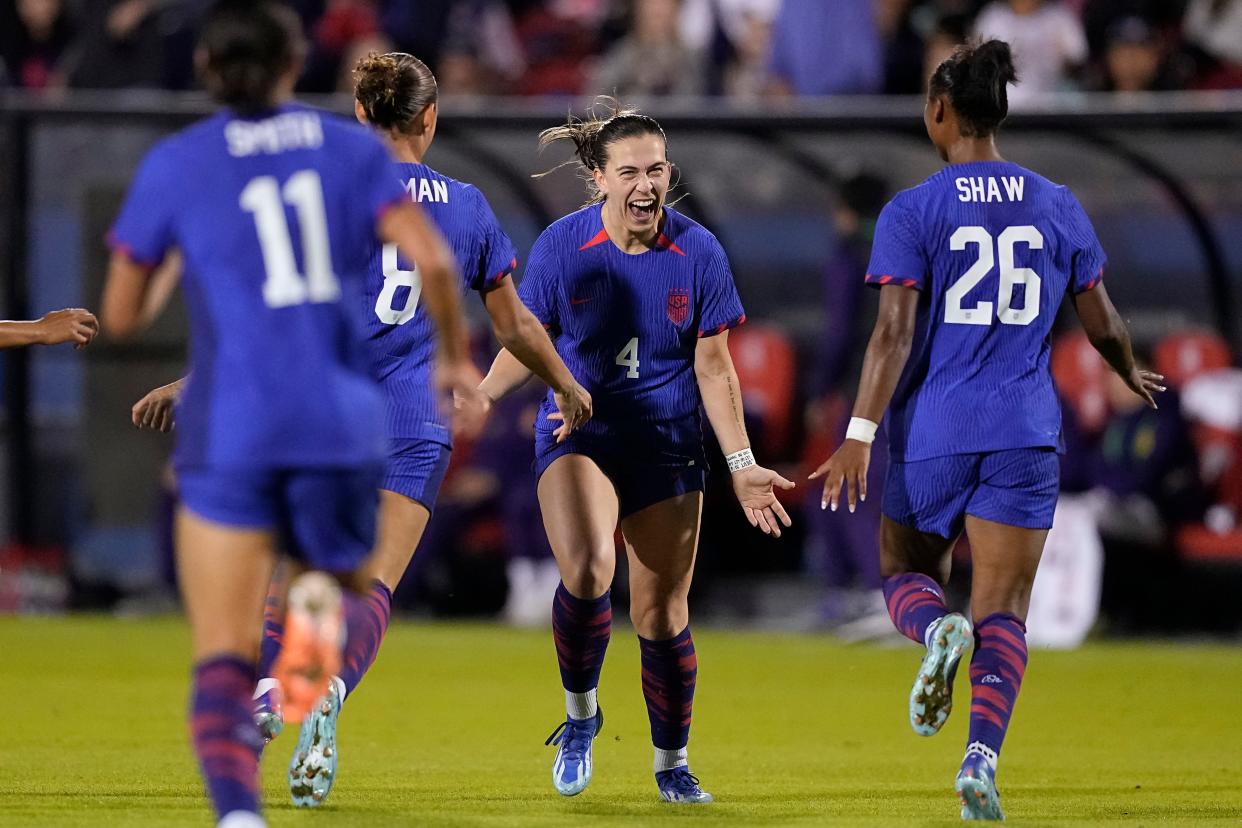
x,y
625,324
992,248
275,217
401,334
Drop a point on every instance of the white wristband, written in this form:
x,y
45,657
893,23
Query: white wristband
x,y
861,430
739,460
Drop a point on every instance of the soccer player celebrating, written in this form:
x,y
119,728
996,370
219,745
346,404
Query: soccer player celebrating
x,y
639,300
396,94
971,266
281,430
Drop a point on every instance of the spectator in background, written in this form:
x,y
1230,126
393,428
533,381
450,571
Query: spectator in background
x,y
34,35
122,47
558,39
651,60
1048,43
346,31
903,48
1134,59
1214,29
745,73
734,36
826,48
950,32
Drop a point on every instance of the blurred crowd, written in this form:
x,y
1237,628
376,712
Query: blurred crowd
x,y
742,49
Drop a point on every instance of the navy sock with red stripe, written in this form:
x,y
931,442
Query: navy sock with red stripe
x,y
914,601
996,671
670,671
366,622
582,628
273,634
226,740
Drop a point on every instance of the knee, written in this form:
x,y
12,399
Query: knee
x,y
590,577
659,619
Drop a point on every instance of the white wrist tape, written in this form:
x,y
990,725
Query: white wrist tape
x,y
861,430
739,460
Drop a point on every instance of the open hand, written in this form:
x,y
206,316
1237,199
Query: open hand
x,y
573,410
848,464
755,488
155,410
1145,384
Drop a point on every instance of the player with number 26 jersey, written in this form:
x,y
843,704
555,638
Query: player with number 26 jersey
x,y
992,248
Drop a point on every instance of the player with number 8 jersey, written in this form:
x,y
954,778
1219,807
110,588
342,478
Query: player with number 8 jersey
x,y
972,266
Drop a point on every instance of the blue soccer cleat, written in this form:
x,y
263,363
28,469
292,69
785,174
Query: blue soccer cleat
x,y
268,715
931,699
681,786
312,770
571,770
976,789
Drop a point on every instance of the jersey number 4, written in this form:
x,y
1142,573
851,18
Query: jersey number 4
x,y
283,285
395,277
1010,277
628,358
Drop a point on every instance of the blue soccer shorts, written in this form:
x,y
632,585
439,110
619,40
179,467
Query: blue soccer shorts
x,y
647,463
1017,487
323,517
416,469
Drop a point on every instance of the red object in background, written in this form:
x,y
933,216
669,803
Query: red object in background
x,y
1079,372
32,579
766,367
1184,356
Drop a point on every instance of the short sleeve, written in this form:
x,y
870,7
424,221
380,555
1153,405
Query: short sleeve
x,y
378,181
497,256
897,255
1087,259
144,230
538,288
720,308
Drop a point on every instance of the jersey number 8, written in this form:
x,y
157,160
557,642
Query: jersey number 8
x,y
395,277
1010,277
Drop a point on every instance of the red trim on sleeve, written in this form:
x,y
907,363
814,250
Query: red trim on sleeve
x,y
719,329
502,275
888,279
118,246
598,238
1099,277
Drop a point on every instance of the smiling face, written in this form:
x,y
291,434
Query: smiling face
x,y
634,182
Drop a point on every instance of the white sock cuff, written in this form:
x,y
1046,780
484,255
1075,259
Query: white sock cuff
x,y
265,685
989,755
340,687
669,759
582,705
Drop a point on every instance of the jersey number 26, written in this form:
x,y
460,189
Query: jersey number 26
x,y
1010,277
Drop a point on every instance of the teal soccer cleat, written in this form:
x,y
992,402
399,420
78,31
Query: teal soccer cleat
x,y
312,770
931,699
976,789
572,768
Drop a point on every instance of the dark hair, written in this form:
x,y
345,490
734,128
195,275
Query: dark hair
x,y
249,45
974,80
393,88
593,136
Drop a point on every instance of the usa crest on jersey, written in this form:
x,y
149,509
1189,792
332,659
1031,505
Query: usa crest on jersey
x,y
678,305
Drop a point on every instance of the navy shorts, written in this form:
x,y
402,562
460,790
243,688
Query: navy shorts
x,y
647,463
323,517
416,469
1017,487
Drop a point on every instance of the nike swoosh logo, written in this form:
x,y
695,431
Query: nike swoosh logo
x,y
573,301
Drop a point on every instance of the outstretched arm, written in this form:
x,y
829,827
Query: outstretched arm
x,y
722,398
523,338
1109,336
883,363
75,325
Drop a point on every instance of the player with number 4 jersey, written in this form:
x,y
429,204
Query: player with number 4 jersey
x,y
972,266
639,300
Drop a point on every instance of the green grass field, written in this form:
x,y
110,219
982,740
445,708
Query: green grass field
x,y
448,729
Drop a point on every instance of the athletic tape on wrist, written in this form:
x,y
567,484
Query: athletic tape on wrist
x,y
861,430
739,460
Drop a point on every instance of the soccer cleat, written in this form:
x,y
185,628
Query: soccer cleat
x,y
931,699
269,714
312,770
571,770
976,789
314,638
681,786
